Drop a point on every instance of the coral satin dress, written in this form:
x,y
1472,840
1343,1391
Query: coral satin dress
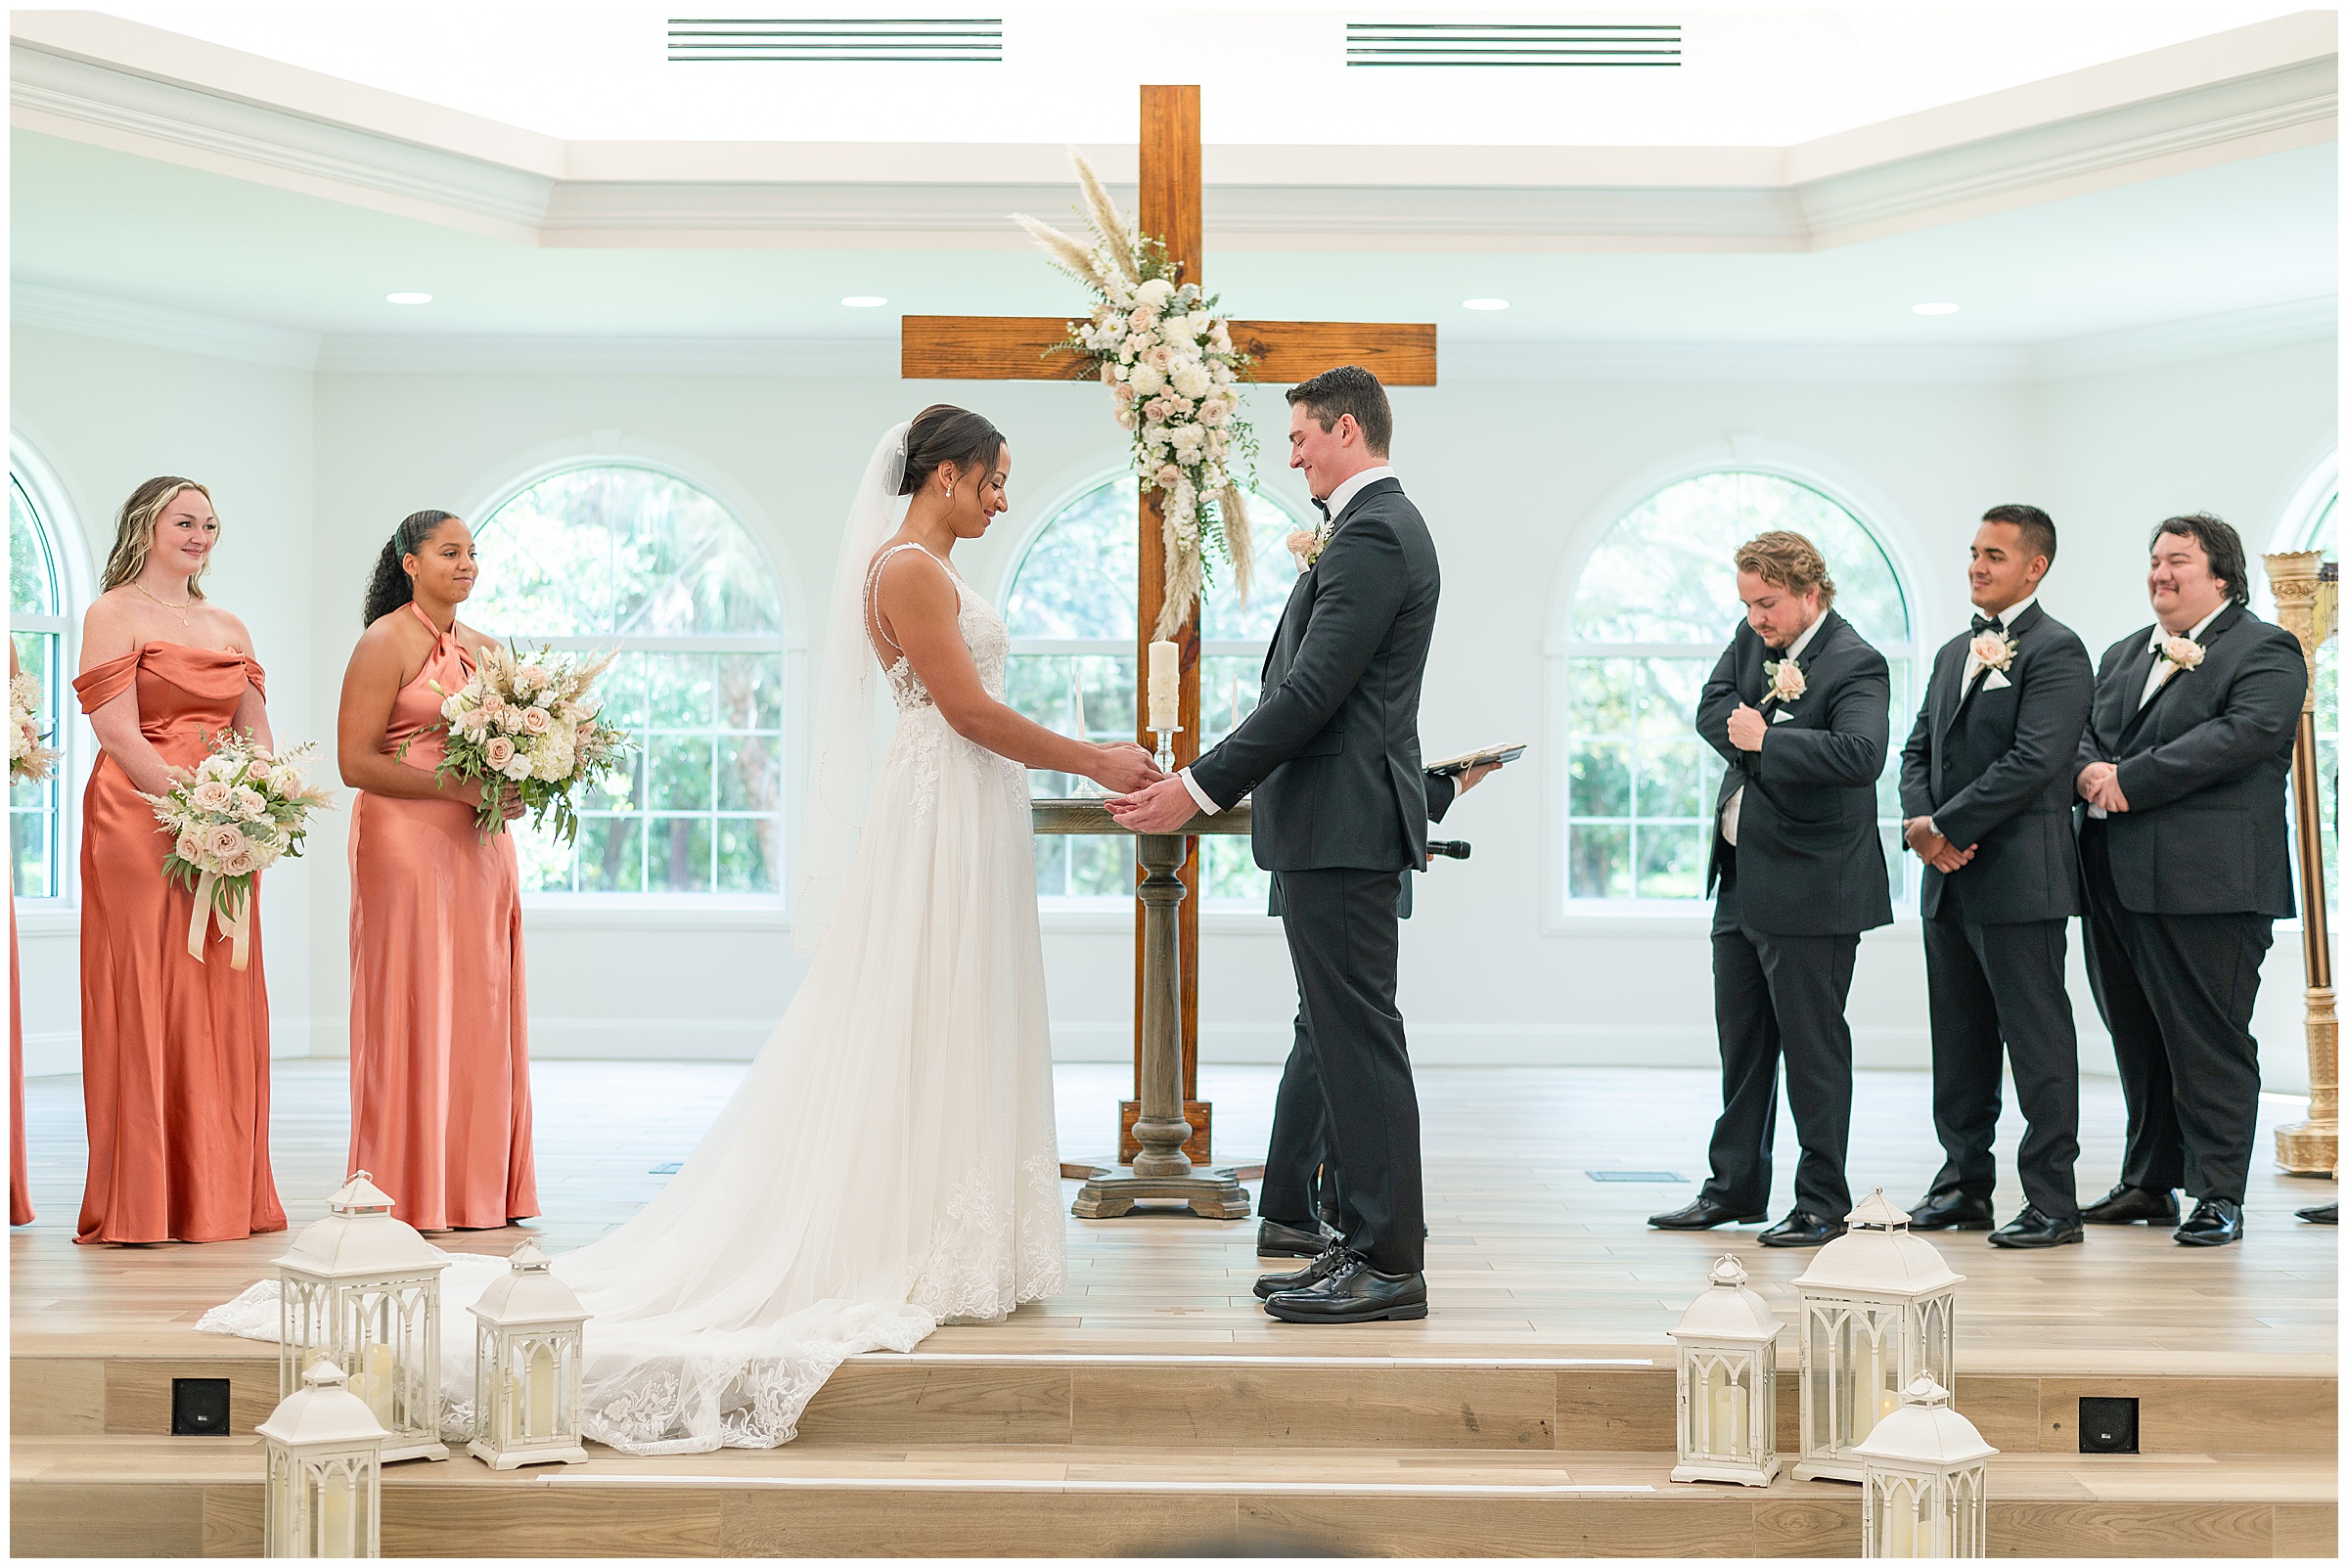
x,y
439,1032
174,1053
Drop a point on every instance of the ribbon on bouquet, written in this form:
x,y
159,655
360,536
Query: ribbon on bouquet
x,y
235,927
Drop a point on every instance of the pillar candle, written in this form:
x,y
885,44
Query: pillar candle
x,y
1740,1417
542,1393
514,1410
1165,686
1899,1524
382,1384
334,1534
1716,1408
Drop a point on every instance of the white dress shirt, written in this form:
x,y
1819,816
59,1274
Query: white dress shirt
x,y
1734,809
1337,501
2161,670
2005,619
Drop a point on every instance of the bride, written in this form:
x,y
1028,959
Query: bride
x,y
888,1162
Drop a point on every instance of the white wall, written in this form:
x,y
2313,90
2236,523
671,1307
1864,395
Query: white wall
x,y
105,415
1515,477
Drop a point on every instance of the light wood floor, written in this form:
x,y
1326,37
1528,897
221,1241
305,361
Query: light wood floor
x,y
1529,1255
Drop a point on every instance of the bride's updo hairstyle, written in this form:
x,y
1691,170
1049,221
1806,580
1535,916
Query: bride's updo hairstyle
x,y
943,433
392,587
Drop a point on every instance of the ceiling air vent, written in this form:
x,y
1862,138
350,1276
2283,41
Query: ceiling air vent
x,y
1520,44
894,39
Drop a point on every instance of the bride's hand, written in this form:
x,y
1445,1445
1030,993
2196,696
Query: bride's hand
x,y
1123,768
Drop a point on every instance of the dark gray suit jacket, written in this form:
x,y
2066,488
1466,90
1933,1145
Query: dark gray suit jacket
x,y
1332,750
1809,856
2203,766
1995,768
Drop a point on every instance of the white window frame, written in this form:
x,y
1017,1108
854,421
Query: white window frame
x,y
594,911
70,556
1876,514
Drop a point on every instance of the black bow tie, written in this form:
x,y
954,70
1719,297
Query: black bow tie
x,y
1988,623
1320,507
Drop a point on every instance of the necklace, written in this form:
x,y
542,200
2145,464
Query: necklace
x,y
181,610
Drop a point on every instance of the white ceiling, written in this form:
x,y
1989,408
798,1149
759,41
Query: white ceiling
x,y
1754,75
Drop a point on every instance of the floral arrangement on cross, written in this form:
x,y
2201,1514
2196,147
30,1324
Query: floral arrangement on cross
x,y
1163,349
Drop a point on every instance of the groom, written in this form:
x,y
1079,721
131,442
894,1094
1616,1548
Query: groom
x,y
1331,755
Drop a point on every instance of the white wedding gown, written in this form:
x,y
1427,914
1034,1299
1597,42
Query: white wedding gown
x,y
887,1164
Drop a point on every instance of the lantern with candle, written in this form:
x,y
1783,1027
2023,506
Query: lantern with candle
x,y
325,1449
1928,1481
1877,1312
1728,1358
362,1289
526,1368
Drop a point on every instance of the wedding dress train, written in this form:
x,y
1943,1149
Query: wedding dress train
x,y
887,1164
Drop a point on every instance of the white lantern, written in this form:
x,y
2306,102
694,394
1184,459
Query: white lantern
x,y
1926,1480
363,1290
1879,1312
325,1471
526,1368
1728,1343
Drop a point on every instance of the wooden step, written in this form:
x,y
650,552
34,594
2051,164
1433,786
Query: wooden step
x,y
1582,1399
126,1496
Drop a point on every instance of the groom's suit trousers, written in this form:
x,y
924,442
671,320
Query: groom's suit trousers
x,y
1345,939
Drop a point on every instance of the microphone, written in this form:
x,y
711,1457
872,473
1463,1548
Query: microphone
x,y
1455,848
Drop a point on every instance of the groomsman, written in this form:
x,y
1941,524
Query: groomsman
x,y
2185,844
1985,785
1800,708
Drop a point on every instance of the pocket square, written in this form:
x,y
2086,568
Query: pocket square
x,y
1780,717
1997,682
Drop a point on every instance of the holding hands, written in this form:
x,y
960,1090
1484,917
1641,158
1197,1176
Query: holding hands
x,y
1124,767
1935,850
1161,808
2100,785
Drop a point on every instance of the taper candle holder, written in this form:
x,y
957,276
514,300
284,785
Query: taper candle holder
x,y
1166,749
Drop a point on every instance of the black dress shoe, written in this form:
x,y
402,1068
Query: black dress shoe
x,y
1952,1211
1312,1274
2322,1214
1353,1292
2033,1228
1703,1214
2125,1206
1800,1229
2216,1223
1274,1239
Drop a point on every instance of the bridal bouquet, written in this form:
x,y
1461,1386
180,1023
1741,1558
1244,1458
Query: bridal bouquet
x,y
28,761
1165,354
231,816
525,724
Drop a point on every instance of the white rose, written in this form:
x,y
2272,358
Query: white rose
x,y
1200,323
1127,419
509,720
1187,440
517,766
1192,379
453,706
1155,293
1146,380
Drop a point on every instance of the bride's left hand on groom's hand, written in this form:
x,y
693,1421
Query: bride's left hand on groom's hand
x,y
1161,808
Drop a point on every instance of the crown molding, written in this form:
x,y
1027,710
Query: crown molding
x,y
357,355
2236,95
2170,342
32,304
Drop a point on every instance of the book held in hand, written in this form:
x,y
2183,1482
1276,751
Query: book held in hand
x,y
1452,766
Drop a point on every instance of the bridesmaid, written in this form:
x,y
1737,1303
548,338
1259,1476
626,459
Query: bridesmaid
x,y
20,1184
439,1051
174,1053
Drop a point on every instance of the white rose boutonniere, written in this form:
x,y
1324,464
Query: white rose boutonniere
x,y
1306,545
1786,682
1994,651
2182,652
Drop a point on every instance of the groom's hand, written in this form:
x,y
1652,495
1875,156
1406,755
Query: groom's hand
x,y
1161,808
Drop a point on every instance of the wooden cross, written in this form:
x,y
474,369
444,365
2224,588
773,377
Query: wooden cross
x,y
1015,348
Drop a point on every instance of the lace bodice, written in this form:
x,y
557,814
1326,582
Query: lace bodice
x,y
983,633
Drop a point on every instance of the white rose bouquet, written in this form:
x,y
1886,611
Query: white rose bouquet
x,y
525,725
231,816
1165,354
28,761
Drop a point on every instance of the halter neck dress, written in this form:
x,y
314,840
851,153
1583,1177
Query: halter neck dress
x,y
439,1031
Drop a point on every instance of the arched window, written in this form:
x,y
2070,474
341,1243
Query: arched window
x,y
1074,614
634,558
37,624
1653,609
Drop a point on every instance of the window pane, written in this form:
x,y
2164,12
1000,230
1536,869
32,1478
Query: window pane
x,y
680,767
1600,696
750,774
610,855
749,692
1223,618
1671,862
1667,692
678,854
747,852
32,588
683,694
545,860
1228,685
1600,781
1671,779
1100,868
1231,875
36,810
1599,861
1081,576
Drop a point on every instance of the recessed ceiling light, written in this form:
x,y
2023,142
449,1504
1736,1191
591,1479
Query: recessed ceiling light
x,y
408,298
864,301
1485,304
1942,308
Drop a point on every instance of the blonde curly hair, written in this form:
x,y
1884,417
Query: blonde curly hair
x,y
1790,560
134,533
